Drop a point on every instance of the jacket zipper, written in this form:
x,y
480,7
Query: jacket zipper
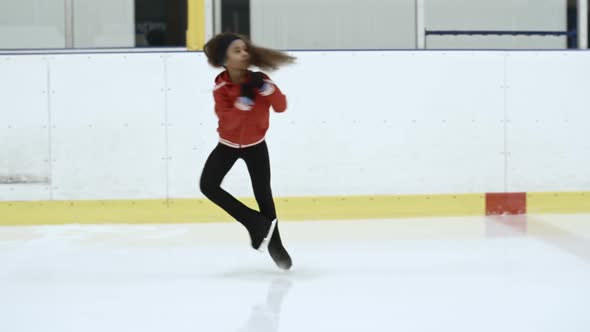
x,y
242,125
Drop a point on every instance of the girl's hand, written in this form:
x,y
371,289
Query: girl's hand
x,y
256,82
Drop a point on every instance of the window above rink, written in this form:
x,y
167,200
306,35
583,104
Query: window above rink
x,y
293,24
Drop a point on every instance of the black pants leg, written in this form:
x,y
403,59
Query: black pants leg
x,y
257,160
216,168
258,163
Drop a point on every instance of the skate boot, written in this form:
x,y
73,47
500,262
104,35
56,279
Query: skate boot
x,y
260,230
277,251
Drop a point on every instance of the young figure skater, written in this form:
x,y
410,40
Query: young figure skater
x,y
242,102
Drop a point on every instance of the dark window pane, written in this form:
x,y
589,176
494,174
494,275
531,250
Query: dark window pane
x,y
160,23
235,16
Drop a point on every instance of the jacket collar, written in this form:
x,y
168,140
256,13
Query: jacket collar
x,y
224,77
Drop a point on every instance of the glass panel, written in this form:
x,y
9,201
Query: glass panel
x,y
160,23
26,24
334,24
235,16
105,23
487,24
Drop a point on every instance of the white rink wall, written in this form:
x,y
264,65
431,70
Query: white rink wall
x,y
140,125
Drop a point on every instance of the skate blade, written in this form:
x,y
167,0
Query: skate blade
x,y
264,245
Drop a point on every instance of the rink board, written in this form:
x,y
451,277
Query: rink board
x,y
291,208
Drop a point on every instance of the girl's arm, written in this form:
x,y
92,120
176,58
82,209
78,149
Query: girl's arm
x,y
271,91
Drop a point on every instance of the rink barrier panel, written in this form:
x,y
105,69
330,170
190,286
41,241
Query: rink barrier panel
x,y
88,133
291,208
140,126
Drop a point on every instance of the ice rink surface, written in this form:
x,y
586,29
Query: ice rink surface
x,y
505,273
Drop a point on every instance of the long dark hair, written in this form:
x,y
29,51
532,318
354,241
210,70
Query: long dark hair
x,y
261,57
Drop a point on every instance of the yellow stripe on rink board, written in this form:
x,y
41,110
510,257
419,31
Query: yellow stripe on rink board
x,y
108,212
558,202
380,207
201,210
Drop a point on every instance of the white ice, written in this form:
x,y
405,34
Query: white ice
x,y
525,274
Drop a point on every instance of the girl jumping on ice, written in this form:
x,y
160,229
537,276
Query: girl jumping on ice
x,y
242,102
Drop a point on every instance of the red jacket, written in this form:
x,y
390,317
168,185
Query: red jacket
x,y
242,125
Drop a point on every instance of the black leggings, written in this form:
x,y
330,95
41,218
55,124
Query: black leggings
x,y
219,163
